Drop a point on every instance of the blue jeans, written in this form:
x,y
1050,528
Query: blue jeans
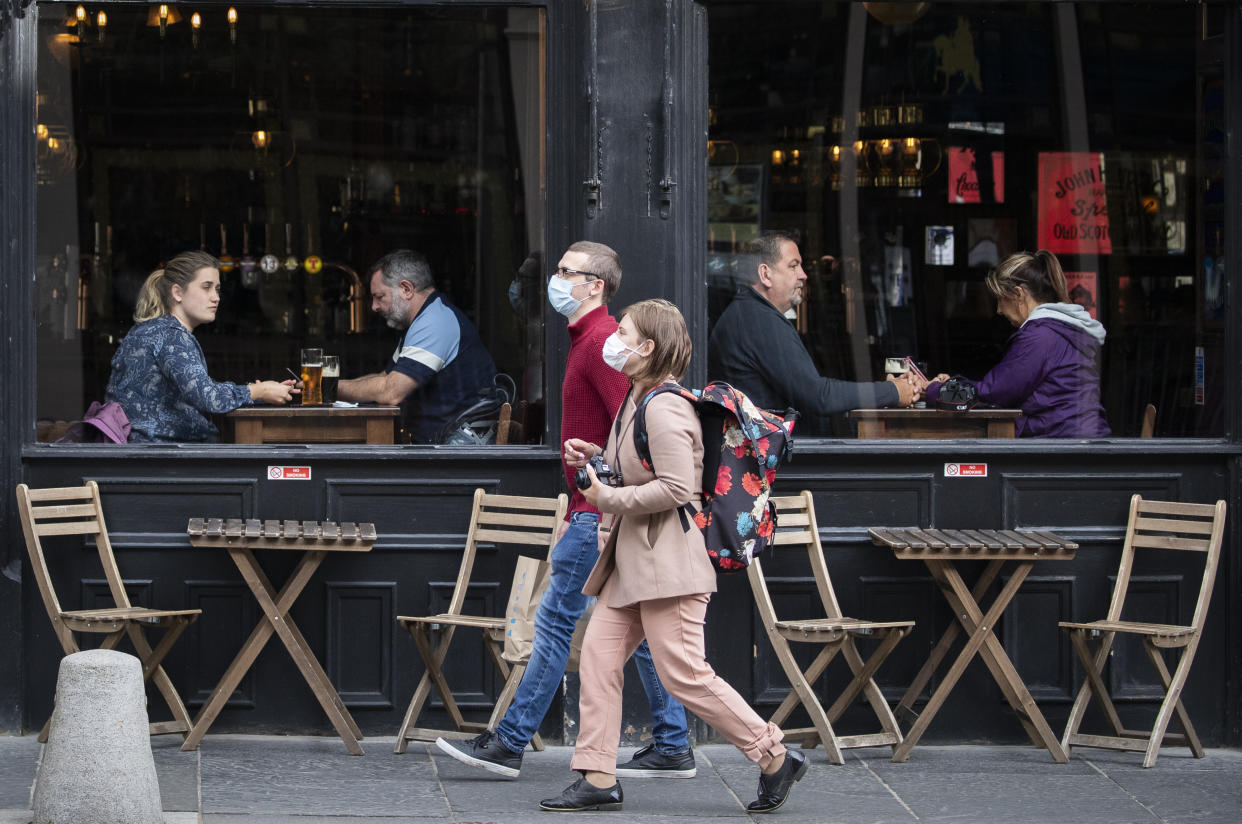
x,y
559,609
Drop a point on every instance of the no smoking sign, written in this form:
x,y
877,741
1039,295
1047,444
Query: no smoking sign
x,y
965,470
289,473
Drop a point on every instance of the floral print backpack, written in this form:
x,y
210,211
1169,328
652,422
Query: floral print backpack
x,y
742,447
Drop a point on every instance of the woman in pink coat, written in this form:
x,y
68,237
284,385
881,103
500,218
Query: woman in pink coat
x,y
653,577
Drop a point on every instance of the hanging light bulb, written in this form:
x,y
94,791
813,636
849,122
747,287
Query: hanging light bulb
x,y
232,25
41,131
79,14
259,139
196,23
163,20
101,20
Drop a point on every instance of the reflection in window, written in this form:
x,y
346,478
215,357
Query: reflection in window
x,y
297,145
914,146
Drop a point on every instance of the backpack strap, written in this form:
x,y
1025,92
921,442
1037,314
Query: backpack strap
x,y
640,418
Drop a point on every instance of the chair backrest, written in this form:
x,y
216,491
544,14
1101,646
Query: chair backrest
x,y
506,519
1148,426
1168,525
796,526
72,510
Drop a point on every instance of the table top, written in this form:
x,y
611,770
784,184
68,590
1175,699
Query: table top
x,y
323,411
980,544
921,414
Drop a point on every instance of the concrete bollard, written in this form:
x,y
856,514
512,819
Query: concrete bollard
x,y
97,766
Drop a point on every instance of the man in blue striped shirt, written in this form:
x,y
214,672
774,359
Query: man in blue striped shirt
x,y
440,366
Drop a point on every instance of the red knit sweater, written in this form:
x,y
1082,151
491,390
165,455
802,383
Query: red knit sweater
x,y
592,390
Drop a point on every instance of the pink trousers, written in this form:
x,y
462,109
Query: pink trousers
x,y
673,628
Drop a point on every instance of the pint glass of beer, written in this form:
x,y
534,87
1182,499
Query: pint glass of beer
x,y
331,374
312,377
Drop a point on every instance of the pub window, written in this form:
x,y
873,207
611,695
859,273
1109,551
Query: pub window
x,y
912,146
315,138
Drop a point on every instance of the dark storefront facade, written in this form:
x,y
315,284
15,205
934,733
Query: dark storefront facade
x,y
909,145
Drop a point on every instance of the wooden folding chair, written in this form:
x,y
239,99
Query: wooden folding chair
x,y
502,519
62,514
1154,525
835,632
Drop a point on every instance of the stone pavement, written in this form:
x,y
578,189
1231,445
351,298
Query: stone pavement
x,y
309,780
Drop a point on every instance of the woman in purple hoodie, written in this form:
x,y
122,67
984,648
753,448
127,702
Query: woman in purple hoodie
x,y
1050,368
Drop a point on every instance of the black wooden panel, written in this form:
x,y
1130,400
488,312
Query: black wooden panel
x,y
1039,650
846,505
431,513
96,595
1073,500
1152,599
230,614
795,599
468,668
154,511
359,658
886,598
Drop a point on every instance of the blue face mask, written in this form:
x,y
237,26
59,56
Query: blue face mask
x,y
561,296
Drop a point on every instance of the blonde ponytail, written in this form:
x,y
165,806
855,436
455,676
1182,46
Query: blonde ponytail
x,y
1040,274
150,299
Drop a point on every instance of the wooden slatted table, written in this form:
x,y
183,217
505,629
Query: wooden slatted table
x,y
314,540
942,550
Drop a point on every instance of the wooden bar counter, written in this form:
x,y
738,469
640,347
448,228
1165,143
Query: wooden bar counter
x,y
935,423
314,424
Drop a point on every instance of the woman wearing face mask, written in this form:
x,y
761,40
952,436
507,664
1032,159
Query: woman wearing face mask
x,y
653,577
159,376
1050,367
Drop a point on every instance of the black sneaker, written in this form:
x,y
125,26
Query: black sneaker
x,y
648,763
485,752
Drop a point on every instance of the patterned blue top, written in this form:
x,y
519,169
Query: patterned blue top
x,y
159,377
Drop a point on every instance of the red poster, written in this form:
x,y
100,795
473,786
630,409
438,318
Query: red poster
x,y
1084,290
964,177
1073,211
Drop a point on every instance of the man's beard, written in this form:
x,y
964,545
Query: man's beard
x,y
397,313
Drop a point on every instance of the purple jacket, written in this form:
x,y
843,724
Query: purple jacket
x,y
1050,371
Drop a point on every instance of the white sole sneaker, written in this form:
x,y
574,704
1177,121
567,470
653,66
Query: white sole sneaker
x,y
492,767
624,773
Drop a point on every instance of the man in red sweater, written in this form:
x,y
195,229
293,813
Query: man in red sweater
x,y
586,278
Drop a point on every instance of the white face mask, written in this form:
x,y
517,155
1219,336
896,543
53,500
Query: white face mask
x,y
616,353
561,296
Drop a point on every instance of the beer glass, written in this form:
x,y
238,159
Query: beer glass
x,y
331,374
312,377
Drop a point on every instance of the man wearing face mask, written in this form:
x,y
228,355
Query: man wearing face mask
x,y
586,277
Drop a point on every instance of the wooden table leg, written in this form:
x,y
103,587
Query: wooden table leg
x,y
993,652
905,707
944,571
246,656
299,650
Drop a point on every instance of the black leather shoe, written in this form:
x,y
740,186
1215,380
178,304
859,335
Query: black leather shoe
x,y
582,795
774,789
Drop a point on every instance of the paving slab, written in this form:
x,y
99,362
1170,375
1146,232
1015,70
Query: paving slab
x,y
19,761
297,776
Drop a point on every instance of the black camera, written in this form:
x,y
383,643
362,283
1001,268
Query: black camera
x,y
606,474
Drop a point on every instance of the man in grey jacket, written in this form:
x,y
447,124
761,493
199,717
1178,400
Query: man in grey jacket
x,y
754,346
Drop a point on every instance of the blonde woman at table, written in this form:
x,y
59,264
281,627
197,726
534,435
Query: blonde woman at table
x,y
653,577
1051,365
159,375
